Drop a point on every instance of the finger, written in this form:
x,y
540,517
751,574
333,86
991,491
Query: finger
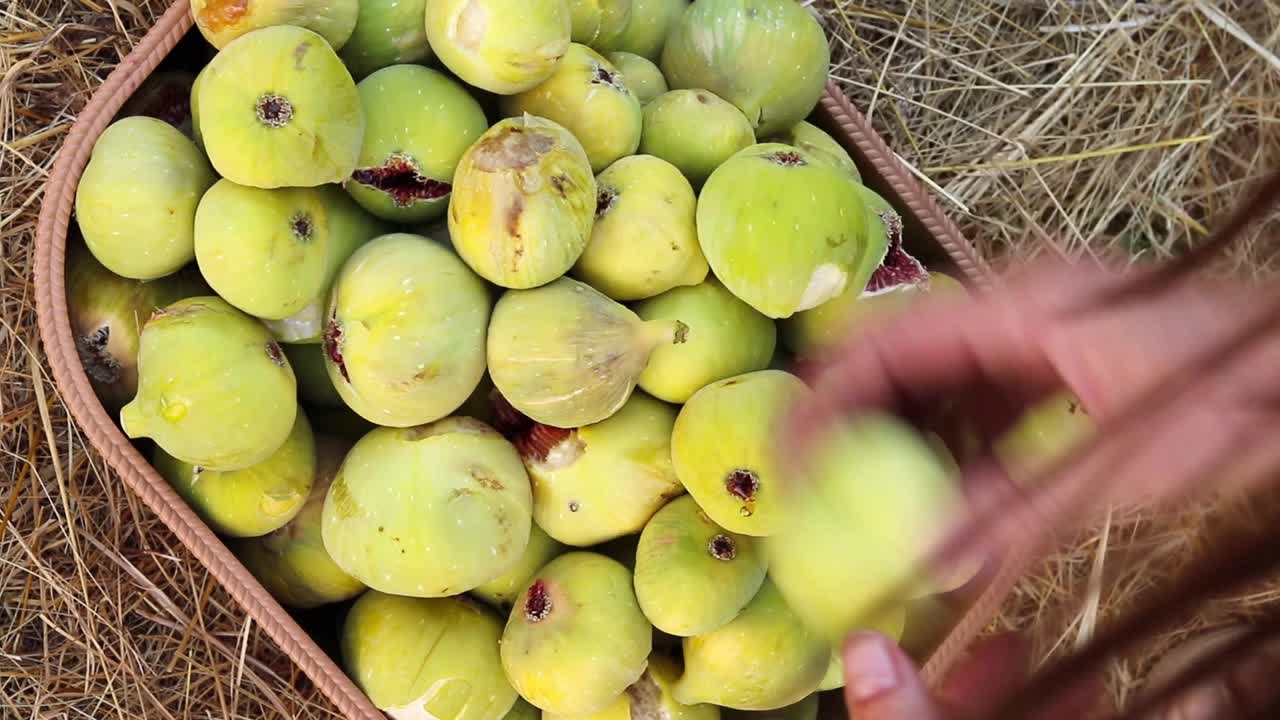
x,y
882,684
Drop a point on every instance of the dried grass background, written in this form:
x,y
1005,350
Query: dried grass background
x,y
1047,126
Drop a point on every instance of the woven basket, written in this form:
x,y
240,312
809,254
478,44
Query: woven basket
x,y
929,233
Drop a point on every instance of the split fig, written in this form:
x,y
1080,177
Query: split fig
x,y
649,698
387,32
811,138
136,201
599,21
501,592
221,21
640,74
567,356
806,709
503,46
429,511
695,131
646,32
576,638
523,203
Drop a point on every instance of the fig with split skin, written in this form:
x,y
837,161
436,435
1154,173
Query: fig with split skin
x,y
599,22
387,32
576,638
646,32
503,46
523,203
694,130
214,388
426,657
811,138
566,355
640,74
598,482
649,698
221,21
501,592
136,201
429,511
411,149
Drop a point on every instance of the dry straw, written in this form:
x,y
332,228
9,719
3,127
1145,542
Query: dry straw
x,y
1045,126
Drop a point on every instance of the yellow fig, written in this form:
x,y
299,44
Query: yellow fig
x,y
806,709
640,74
221,21
503,46
646,32
809,137
694,130
387,32
502,590
599,21
650,698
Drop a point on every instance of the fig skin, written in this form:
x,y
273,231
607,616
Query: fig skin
x,y
727,337
567,356
303,129
387,32
214,389
291,562
503,46
723,449
599,21
502,591
576,638
764,659
646,32
430,511
405,336
811,138
650,698
694,130
1044,434
426,658
645,237
221,21
693,576
314,386
641,75
806,709
602,481
768,57
523,203
107,313
136,201
783,230
588,97
421,140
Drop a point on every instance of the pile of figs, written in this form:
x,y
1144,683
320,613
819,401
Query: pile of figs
x,y
471,319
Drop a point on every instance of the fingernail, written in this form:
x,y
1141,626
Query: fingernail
x,y
871,667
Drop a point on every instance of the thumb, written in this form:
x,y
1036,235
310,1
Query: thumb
x,y
881,683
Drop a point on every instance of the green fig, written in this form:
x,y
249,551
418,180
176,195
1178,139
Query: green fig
x,y
879,492
695,131
601,481
576,638
522,710
764,659
291,562
221,21
768,57
193,102
693,576
646,32
411,149
501,592
644,240
164,95
650,699
723,449
566,355
426,658
214,389
587,96
727,337
785,231
107,313
810,138
387,32
640,74
1044,434
136,201
277,108
806,709
599,21
503,46
314,385
429,511
405,337
523,203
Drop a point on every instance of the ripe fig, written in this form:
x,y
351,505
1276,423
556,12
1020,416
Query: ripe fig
x,y
107,313
640,74
784,230
881,493
387,32
1046,432
411,149
723,449
501,592
598,482
806,709
764,659
314,385
650,698
192,102
727,337
291,562
426,658
768,57
221,21
599,21
429,511
277,108
523,203
164,95
693,576
404,342
810,138
566,355
695,131
644,240
576,638
646,32
214,389
503,46
136,201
